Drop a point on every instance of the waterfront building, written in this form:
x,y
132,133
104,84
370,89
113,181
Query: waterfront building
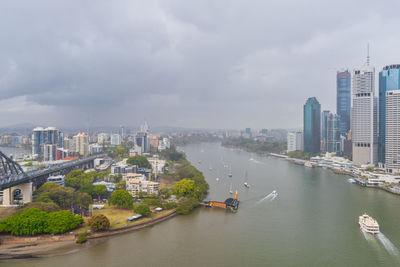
x,y
139,184
364,117
115,139
81,143
294,141
343,100
389,79
312,126
332,134
392,140
324,121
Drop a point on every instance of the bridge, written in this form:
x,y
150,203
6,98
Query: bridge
x,y
17,186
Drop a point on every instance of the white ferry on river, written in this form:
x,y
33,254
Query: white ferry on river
x,y
368,224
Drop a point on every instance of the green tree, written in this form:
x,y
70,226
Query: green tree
x,y
140,161
121,199
184,207
100,190
99,222
62,221
29,222
121,185
82,199
143,210
184,188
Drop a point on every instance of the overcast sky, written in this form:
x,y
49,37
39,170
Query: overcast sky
x,y
208,64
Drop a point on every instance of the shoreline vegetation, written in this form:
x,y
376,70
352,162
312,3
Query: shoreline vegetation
x,y
21,238
255,146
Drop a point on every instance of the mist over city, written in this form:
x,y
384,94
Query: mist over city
x,y
197,64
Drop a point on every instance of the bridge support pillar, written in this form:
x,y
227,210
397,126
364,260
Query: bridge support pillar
x,y
18,194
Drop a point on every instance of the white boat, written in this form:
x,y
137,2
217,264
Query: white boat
x,y
368,224
230,190
217,179
274,193
246,184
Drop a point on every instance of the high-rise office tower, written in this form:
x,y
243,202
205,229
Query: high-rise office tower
x,y
332,134
324,121
389,79
343,100
392,140
312,126
364,116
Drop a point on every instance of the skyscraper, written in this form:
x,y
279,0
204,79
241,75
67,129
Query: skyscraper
x,y
332,134
389,79
324,121
364,116
392,140
343,100
312,126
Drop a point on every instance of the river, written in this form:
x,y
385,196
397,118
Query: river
x,y
14,151
312,222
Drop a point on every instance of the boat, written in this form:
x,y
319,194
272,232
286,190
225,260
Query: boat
x,y
230,190
351,180
230,172
368,224
274,193
246,184
217,179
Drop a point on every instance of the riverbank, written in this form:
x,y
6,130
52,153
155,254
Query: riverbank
x,y
47,245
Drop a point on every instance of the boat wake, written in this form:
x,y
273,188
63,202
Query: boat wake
x,y
270,196
255,161
387,244
367,236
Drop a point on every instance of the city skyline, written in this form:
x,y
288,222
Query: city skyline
x,y
209,61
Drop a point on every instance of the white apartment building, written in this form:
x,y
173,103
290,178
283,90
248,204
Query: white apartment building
x,y
139,184
294,141
81,143
115,139
102,138
364,116
392,140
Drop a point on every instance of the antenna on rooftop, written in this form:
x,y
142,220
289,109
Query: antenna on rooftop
x,y
367,54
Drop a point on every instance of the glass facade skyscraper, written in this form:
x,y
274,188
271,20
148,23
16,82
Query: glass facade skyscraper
x,y
312,126
389,79
343,100
324,121
332,134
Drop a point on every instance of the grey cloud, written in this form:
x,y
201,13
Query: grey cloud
x,y
184,63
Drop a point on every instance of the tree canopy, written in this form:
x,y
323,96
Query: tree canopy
x,y
121,199
140,161
143,209
34,221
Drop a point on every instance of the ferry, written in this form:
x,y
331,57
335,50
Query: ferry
x,y
368,224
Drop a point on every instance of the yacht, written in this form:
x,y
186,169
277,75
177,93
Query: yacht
x,y
368,224
246,184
